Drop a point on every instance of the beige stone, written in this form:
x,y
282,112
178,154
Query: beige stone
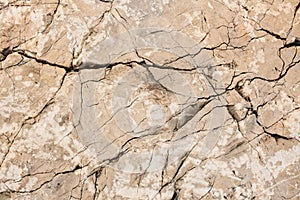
x,y
156,99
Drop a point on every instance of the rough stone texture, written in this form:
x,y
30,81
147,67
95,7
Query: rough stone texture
x,y
156,99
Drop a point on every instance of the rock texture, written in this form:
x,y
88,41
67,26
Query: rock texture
x,y
157,99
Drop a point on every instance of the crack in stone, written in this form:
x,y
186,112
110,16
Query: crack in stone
x,y
172,178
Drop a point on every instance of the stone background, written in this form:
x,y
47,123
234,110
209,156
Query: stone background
x,y
157,99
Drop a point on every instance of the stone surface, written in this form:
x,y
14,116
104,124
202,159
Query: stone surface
x,y
157,99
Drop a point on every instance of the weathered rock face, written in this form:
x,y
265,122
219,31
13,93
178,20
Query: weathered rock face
x,y
155,99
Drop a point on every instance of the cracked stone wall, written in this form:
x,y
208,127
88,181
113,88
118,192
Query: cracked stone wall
x,y
157,99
